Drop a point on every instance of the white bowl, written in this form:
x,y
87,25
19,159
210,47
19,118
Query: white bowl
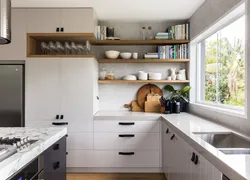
x,y
112,54
126,55
129,77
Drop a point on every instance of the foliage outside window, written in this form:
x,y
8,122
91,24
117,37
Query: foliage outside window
x,y
222,71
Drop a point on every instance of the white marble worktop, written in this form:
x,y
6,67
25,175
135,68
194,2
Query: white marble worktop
x,y
45,136
236,167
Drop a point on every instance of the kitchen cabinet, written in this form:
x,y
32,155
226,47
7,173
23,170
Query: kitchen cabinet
x,y
61,20
181,161
16,50
67,88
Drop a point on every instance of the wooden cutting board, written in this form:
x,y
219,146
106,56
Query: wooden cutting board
x,y
144,91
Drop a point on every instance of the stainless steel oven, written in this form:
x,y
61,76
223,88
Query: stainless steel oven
x,y
33,171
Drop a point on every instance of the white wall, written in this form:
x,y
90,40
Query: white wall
x,y
209,13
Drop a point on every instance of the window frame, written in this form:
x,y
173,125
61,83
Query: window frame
x,y
198,74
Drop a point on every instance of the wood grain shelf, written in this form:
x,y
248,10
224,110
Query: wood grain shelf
x,y
139,42
143,60
141,81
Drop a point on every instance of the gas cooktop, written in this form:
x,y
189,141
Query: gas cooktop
x,y
9,146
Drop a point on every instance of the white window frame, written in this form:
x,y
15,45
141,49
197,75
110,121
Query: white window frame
x,y
195,65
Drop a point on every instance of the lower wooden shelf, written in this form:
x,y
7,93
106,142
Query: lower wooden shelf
x,y
143,60
142,81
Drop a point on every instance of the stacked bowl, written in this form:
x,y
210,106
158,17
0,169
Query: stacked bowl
x,y
143,75
130,77
155,76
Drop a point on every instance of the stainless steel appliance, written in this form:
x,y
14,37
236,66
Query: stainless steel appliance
x,y
5,21
11,95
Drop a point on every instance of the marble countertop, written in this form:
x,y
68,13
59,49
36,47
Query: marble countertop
x,y
236,167
45,136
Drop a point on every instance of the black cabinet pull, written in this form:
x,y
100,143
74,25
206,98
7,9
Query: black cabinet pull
x,y
225,177
67,135
172,137
126,123
193,157
167,131
67,153
56,165
196,160
57,29
62,29
59,123
61,117
126,135
56,147
126,153
57,116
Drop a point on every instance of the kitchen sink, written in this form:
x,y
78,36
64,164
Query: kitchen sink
x,y
228,143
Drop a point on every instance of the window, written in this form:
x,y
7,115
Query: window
x,y
221,64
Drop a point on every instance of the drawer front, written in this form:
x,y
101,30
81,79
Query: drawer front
x,y
137,141
106,126
82,141
80,158
114,158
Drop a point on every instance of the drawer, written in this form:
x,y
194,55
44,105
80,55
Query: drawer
x,y
113,158
82,141
80,158
106,126
137,141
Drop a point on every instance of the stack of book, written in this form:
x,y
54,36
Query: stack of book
x,y
173,52
179,32
101,32
151,56
162,35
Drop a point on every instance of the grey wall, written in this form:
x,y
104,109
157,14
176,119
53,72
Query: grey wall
x,y
114,96
210,12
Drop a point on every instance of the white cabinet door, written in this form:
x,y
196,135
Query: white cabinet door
x,y
77,20
77,94
42,92
16,50
43,20
80,158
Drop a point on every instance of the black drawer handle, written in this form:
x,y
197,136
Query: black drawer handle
x,y
196,161
167,131
193,157
56,147
56,165
126,123
67,153
57,29
126,135
60,123
126,153
57,116
62,29
61,117
172,137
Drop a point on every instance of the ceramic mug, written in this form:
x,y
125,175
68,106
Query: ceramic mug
x,y
169,78
135,55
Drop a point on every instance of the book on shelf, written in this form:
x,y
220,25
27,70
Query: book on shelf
x,y
101,32
179,32
173,52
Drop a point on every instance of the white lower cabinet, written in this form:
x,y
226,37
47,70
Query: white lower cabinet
x,y
181,161
80,141
127,144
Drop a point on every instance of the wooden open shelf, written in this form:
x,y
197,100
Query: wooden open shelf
x,y
139,42
34,40
141,81
62,56
143,60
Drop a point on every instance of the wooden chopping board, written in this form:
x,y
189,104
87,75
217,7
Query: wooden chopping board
x,y
144,91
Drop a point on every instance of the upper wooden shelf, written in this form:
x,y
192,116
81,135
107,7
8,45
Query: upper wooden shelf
x,y
142,81
62,56
139,42
143,60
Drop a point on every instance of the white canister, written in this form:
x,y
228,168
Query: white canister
x,y
179,77
183,74
103,74
169,78
135,55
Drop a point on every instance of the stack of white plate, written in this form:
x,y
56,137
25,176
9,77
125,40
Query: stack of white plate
x,y
130,77
155,76
143,75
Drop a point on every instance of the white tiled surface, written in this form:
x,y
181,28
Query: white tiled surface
x,y
45,136
236,167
